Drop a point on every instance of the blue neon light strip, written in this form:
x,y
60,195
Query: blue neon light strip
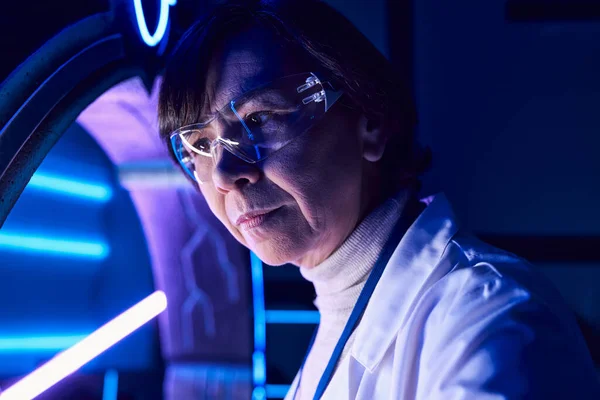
x,y
277,391
163,20
258,358
35,344
62,185
259,393
110,390
292,317
39,244
259,366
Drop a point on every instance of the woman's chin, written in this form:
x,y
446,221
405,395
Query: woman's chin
x,y
268,257
272,254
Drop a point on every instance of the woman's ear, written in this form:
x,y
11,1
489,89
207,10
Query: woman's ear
x,y
373,137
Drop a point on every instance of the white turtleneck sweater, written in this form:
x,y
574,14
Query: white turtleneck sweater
x,y
338,282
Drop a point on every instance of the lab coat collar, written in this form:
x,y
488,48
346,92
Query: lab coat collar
x,y
411,266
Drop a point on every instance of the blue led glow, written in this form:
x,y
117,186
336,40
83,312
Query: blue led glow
x,y
259,364
292,317
70,187
111,385
37,344
259,393
56,246
258,358
259,302
163,20
277,391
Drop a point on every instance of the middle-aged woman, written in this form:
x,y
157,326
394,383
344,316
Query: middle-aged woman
x,y
301,138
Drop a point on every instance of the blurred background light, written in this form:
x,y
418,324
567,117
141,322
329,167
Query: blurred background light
x,y
163,21
75,357
292,317
277,391
34,343
258,357
111,385
66,186
49,245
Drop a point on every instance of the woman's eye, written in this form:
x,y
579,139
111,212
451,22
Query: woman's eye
x,y
202,144
258,119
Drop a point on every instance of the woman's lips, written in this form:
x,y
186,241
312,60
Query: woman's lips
x,y
252,220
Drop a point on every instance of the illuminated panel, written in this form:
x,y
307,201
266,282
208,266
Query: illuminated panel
x,y
110,390
163,20
258,358
36,344
292,317
277,391
40,244
72,359
65,186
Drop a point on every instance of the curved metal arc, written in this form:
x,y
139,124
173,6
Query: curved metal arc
x,y
46,134
17,130
23,81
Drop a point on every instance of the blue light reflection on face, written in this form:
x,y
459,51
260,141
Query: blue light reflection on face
x,y
49,245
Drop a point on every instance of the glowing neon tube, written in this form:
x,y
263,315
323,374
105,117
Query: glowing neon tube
x,y
259,364
111,385
292,317
49,245
277,391
37,344
63,185
163,20
72,359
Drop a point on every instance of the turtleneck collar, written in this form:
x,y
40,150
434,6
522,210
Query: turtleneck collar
x,y
339,279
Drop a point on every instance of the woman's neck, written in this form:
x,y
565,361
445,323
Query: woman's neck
x,y
339,278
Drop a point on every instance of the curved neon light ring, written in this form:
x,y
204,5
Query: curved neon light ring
x,y
163,20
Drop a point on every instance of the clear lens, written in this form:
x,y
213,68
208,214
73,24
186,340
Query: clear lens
x,y
255,125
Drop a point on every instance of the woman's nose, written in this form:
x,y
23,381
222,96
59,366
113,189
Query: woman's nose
x,y
231,172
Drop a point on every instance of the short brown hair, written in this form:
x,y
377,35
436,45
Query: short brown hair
x,y
338,48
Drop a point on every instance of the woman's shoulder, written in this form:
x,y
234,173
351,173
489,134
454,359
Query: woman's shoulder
x,y
483,275
483,272
493,311
489,291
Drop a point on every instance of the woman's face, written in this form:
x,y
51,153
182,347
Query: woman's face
x,y
301,203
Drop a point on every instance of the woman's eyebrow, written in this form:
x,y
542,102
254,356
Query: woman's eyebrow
x,y
268,95
263,96
203,118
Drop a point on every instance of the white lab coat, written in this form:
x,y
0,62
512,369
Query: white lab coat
x,y
454,318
